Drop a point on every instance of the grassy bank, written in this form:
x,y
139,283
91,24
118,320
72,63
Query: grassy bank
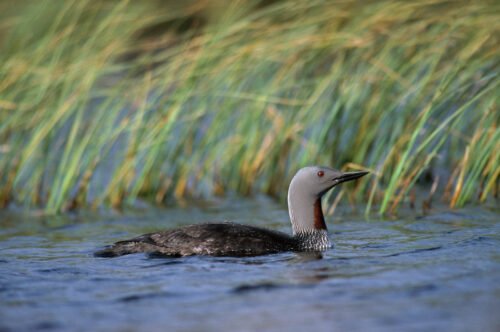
x,y
105,102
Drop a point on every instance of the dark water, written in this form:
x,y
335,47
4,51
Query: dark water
x,y
439,273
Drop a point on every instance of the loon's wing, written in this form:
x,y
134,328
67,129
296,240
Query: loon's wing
x,y
216,239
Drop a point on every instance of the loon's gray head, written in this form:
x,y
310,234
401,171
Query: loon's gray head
x,y
305,192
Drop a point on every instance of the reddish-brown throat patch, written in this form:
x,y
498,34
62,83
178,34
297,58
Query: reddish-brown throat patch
x,y
319,219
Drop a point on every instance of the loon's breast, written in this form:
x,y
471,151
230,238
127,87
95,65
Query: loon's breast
x,y
215,239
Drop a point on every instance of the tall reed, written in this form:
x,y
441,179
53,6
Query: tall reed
x,y
102,103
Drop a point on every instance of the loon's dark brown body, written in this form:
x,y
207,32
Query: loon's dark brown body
x,y
228,239
215,239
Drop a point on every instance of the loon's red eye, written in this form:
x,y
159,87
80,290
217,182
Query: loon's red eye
x,y
321,173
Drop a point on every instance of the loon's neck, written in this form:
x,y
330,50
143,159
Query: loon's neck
x,y
308,222
317,240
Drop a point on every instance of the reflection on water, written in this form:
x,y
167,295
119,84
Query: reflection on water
x,y
441,272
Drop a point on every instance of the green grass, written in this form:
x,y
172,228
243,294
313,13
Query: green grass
x,y
104,102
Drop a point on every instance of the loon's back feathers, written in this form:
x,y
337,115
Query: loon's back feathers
x,y
215,239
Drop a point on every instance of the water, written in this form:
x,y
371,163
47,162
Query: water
x,y
441,272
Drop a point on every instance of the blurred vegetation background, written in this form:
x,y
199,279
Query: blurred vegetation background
x,y
105,102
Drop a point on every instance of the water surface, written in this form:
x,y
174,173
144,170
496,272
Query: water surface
x,y
441,272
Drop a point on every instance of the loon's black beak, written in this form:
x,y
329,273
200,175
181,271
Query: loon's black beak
x,y
348,176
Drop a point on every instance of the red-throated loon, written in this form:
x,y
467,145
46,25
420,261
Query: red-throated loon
x,y
230,239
